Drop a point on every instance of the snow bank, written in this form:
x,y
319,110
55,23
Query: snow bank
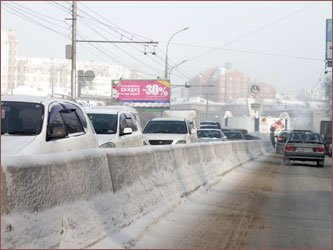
x,y
126,185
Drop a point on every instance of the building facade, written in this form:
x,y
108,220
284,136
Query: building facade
x,y
8,61
226,84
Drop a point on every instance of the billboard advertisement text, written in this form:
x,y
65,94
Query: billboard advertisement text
x,y
142,93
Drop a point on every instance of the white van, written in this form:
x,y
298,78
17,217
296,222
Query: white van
x,y
160,131
36,125
116,126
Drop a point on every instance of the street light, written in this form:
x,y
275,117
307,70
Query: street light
x,y
166,54
184,61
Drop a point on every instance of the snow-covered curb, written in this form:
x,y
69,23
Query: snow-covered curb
x,y
147,181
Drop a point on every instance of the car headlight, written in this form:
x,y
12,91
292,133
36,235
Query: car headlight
x,y
181,142
108,145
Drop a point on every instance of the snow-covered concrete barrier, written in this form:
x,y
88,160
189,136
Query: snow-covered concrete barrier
x,y
82,197
33,183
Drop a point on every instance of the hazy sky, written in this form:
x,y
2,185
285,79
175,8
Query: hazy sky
x,y
280,43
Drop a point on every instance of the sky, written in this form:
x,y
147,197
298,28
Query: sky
x,y
280,43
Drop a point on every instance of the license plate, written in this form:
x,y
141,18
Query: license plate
x,y
304,150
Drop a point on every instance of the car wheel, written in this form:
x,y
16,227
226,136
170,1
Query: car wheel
x,y
286,161
320,164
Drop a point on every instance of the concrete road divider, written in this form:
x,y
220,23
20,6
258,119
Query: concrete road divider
x,y
82,197
34,183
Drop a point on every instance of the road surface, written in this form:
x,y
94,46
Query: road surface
x,y
262,204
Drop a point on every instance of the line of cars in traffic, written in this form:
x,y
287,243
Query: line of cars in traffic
x,y
301,145
57,123
213,130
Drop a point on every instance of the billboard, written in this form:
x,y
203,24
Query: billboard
x,y
266,123
142,93
329,39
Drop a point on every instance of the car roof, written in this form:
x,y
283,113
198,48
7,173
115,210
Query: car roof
x,y
38,99
168,119
300,130
93,110
22,98
203,122
113,108
209,129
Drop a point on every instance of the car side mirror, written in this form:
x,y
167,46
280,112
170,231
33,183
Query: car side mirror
x,y
126,131
57,133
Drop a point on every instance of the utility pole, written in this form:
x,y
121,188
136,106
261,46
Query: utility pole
x,y
73,73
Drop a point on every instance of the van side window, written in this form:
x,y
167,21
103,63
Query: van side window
x,y
122,123
131,122
72,122
61,115
79,113
190,126
57,122
81,117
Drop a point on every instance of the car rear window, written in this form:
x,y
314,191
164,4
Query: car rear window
x,y
104,123
305,137
209,133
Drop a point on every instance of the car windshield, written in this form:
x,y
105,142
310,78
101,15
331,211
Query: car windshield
x,y
104,123
21,118
233,135
305,137
209,133
169,127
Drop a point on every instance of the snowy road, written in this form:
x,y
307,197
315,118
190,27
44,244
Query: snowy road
x,y
262,204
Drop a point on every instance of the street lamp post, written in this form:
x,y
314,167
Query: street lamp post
x,y
166,54
173,67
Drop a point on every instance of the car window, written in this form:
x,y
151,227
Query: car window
x,y
305,137
171,127
72,121
209,133
21,118
190,126
81,116
60,116
122,122
104,123
233,135
131,122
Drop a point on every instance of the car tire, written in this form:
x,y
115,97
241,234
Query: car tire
x,y
286,161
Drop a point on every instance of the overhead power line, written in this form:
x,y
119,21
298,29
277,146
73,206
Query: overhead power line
x,y
254,31
32,20
253,52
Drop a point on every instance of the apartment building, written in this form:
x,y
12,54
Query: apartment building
x,y
9,45
225,84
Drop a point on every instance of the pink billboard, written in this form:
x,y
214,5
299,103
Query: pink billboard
x,y
143,92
